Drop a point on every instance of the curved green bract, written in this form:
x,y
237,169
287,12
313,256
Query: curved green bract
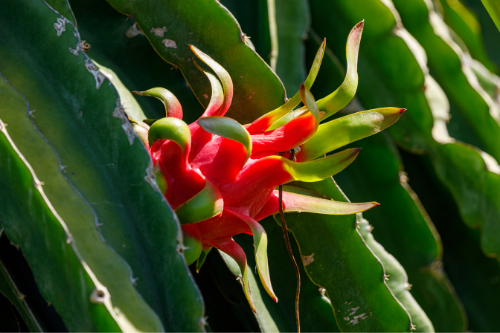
x,y
217,97
172,106
240,269
224,77
309,101
316,313
218,35
340,97
319,169
344,94
171,129
303,203
23,203
91,182
201,259
342,131
346,268
204,205
192,248
228,128
260,245
282,111
310,105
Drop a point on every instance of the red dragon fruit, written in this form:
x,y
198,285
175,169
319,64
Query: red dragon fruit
x,y
221,177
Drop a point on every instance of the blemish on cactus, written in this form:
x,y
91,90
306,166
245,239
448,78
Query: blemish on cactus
x,y
60,25
119,112
98,76
84,46
307,260
160,32
169,43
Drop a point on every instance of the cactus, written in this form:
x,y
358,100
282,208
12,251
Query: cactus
x,y
90,194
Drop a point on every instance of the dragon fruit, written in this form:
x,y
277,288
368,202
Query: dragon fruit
x,y
221,178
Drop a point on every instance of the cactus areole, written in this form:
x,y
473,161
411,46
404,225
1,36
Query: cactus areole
x,y
221,177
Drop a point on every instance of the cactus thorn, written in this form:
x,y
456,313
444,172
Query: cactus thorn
x,y
97,296
386,277
30,113
203,322
22,296
48,303
84,46
38,184
62,168
69,240
98,225
134,281
181,248
412,327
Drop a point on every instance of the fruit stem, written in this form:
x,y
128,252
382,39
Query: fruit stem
x,y
289,248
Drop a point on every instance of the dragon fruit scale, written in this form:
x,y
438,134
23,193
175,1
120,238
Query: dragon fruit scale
x,y
221,178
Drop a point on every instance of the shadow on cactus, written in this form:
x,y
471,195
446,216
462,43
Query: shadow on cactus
x,y
221,177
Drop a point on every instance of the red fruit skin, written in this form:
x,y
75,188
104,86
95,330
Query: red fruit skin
x,y
246,185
